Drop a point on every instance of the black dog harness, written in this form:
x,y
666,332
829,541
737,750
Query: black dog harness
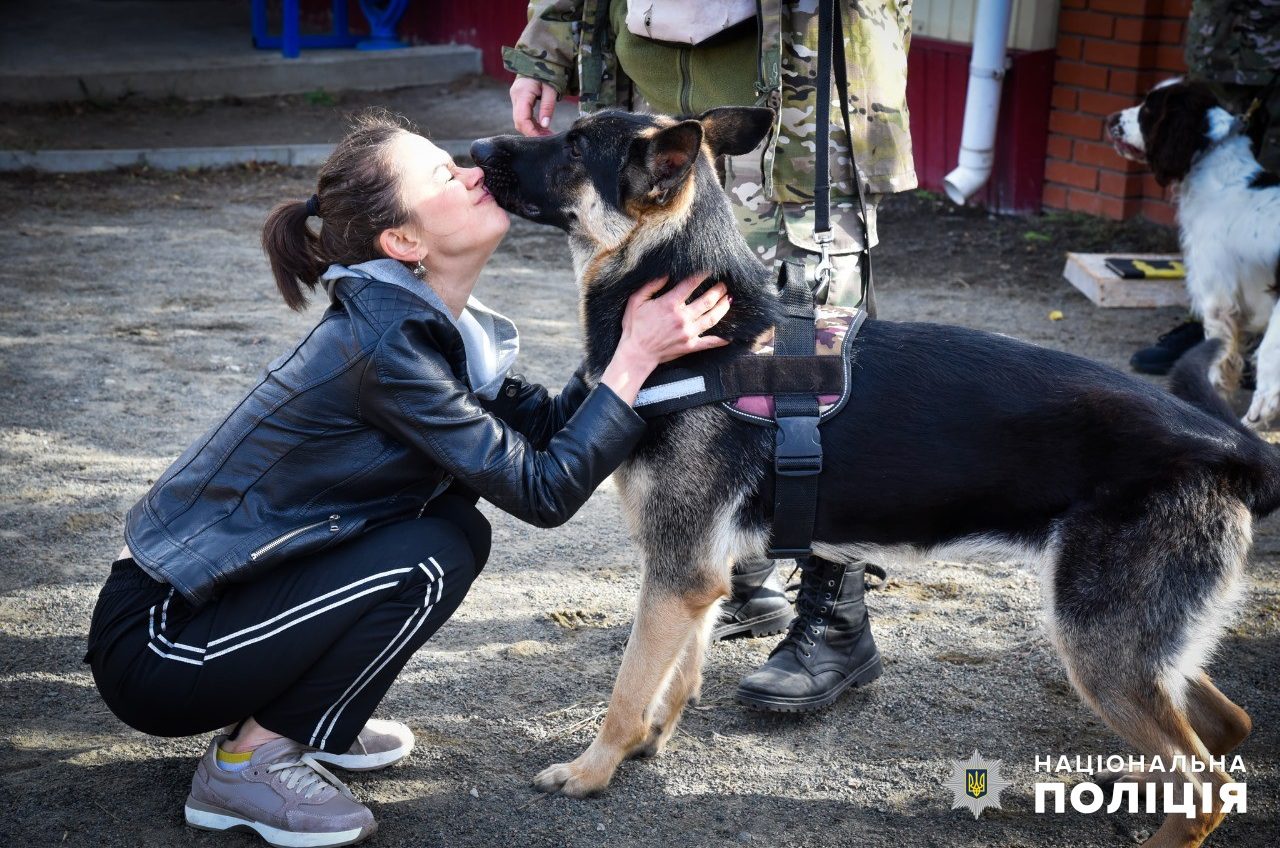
x,y
798,380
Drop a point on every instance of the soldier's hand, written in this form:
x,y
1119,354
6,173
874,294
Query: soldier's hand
x,y
533,102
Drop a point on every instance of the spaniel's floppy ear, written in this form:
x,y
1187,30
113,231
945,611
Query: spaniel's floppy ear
x,y
735,130
1179,131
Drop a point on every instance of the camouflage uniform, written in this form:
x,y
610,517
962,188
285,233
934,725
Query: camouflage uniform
x,y
1235,46
570,44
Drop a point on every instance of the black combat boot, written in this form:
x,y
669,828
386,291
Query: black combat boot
x,y
1160,357
828,649
759,604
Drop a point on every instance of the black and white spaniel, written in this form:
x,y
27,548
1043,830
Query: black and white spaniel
x,y
1228,221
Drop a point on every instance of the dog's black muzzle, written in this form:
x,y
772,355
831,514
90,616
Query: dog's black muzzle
x,y
499,178
484,151
497,157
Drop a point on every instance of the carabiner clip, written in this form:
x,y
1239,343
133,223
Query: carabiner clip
x,y
824,272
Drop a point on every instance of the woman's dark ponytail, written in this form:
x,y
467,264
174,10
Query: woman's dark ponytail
x,y
357,197
291,248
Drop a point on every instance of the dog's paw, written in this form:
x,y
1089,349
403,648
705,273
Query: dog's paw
x,y
571,779
650,747
1263,409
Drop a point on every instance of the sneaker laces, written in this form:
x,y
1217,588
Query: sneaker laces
x,y
307,777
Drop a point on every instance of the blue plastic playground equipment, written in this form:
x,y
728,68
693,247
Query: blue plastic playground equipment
x,y
382,15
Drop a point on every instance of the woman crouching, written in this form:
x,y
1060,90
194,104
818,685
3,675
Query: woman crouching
x,y
278,576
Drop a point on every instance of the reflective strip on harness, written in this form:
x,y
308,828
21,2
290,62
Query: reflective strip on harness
x,y
670,391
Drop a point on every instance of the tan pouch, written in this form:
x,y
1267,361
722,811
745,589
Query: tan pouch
x,y
685,22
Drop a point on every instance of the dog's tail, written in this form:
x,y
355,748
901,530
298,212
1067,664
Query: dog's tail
x,y
1261,460
1190,382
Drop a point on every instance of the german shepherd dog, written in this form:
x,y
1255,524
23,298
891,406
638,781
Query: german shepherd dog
x,y
1136,505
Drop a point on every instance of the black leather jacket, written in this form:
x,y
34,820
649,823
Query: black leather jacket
x,y
360,424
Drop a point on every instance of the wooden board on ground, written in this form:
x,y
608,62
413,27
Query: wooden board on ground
x,y
1088,272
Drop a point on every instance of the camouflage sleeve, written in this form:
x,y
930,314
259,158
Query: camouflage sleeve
x,y
905,11
547,49
1234,41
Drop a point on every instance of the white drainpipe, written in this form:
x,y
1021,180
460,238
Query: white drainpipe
x,y
982,103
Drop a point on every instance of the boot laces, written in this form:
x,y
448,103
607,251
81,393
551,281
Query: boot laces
x,y
874,577
307,777
814,600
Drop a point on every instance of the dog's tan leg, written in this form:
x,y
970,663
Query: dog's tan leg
x,y
1219,722
1172,735
658,713
1148,718
665,624
684,688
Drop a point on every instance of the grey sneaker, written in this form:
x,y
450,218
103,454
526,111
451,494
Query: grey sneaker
x,y
283,795
379,744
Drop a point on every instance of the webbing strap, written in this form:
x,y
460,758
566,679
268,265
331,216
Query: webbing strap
x,y
797,458
821,165
831,53
675,387
779,374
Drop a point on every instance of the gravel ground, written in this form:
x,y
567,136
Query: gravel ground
x,y
135,310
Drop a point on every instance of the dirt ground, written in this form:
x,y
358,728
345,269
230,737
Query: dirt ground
x,y
136,308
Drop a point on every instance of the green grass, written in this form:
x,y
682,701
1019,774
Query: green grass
x,y
320,97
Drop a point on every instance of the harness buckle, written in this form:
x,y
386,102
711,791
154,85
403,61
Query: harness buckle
x,y
798,447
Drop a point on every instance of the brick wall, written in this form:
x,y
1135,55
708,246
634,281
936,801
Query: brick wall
x,y
1110,52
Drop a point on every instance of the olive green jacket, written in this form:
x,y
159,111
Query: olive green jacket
x,y
574,45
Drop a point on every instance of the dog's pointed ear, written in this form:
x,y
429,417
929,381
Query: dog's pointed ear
x,y
735,130
669,156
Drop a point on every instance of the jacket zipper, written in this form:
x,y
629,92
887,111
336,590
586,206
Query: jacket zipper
x,y
445,483
280,540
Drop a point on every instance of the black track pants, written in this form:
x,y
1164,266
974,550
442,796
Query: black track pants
x,y
308,649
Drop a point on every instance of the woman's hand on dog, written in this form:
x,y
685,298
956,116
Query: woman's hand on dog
x,y
671,326
658,330
526,93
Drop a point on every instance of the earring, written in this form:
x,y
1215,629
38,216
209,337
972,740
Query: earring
x,y
420,270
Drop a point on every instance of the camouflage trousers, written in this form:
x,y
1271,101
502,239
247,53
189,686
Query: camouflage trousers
x,y
779,231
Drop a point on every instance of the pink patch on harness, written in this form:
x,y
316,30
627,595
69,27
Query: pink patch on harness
x,y
831,325
762,405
